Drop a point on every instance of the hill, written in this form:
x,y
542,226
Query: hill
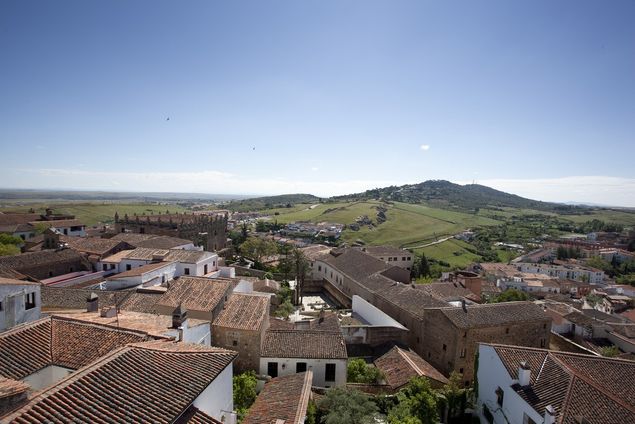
x,y
444,194
271,202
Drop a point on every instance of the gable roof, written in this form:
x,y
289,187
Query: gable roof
x,y
174,373
283,398
399,366
244,312
309,344
195,293
575,385
69,343
25,261
494,314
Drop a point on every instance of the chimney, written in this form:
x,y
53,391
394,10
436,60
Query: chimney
x,y
108,312
15,395
550,415
463,305
524,374
179,315
92,303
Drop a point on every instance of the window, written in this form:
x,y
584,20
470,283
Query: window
x,y
507,330
65,231
272,369
300,367
499,396
461,370
527,419
462,354
128,267
205,269
235,343
186,271
542,343
105,267
329,374
0,306
403,258
29,300
544,326
445,348
319,268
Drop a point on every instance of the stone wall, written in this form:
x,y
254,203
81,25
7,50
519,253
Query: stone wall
x,y
245,342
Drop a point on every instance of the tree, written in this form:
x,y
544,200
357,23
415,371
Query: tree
x,y
358,371
257,248
301,269
510,295
454,395
417,404
244,386
8,250
284,309
345,406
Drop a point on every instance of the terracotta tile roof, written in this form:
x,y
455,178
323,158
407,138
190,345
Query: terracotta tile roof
x,y
196,293
175,375
489,315
309,344
59,223
59,341
93,245
399,366
387,251
447,291
25,349
17,218
244,312
140,302
575,385
355,263
7,272
283,398
14,282
23,262
9,387
326,321
280,324
75,298
135,272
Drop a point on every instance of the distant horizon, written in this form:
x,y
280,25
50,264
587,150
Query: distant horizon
x,y
246,195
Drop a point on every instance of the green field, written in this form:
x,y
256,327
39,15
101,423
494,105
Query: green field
x,y
98,213
455,252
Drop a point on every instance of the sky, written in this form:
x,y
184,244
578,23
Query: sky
x,y
325,97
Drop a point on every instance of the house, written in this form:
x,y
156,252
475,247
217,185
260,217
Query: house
x,y
398,366
46,263
202,298
152,274
188,262
528,385
20,302
391,256
68,227
451,334
283,400
27,225
240,326
286,352
94,248
177,376
565,271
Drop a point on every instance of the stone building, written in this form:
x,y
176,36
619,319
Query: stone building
x,y
209,231
46,263
240,326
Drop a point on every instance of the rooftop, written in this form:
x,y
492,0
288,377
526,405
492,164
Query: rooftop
x,y
494,314
399,366
309,344
244,312
69,343
386,251
123,385
575,385
283,399
195,293
29,260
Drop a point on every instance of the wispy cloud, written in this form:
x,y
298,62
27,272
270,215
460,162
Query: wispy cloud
x,y
315,169
425,147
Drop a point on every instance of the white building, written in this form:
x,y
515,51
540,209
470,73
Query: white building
x,y
567,272
391,255
196,263
152,274
285,352
538,386
19,302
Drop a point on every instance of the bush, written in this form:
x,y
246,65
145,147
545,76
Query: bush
x,y
358,371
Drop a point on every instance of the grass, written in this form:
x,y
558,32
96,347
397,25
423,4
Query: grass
x,y
99,213
455,252
609,215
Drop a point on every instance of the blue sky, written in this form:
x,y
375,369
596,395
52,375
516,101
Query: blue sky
x,y
328,97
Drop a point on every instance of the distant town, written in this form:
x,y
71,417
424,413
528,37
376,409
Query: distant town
x,y
367,308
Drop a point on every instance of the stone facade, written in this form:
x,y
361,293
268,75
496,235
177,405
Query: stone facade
x,y
209,231
245,342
